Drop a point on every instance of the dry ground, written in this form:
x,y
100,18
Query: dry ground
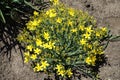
x,y
106,12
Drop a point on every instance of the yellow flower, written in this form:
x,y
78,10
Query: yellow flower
x,y
83,42
20,37
70,23
74,30
31,25
98,34
39,42
71,12
87,35
91,60
27,54
88,60
55,2
39,20
81,27
37,51
94,51
29,47
89,46
59,20
51,13
34,23
46,45
59,67
33,56
100,50
46,35
35,13
61,72
38,67
69,72
89,29
44,64
49,45
26,59
104,29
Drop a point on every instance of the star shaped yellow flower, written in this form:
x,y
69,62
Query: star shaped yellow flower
x,y
69,72
44,64
29,47
71,12
83,41
87,35
37,51
59,67
39,42
46,35
33,56
59,20
38,67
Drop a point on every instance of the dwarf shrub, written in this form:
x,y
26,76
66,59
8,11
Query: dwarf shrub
x,y
63,40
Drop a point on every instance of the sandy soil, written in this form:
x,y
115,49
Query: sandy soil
x,y
106,12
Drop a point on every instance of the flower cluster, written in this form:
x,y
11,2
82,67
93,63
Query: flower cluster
x,y
61,39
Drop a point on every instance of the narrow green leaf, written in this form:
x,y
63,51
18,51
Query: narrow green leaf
x,y
115,38
105,46
2,17
74,53
78,63
17,1
29,4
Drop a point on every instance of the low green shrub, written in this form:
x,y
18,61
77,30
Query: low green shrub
x,y
64,41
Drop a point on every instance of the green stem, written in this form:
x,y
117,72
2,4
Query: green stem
x,y
115,38
106,45
27,3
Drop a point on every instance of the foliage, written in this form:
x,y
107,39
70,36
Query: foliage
x,y
64,41
9,8
13,16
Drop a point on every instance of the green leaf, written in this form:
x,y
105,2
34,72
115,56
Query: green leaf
x,y
115,38
74,53
50,60
29,4
105,46
2,17
78,63
17,1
